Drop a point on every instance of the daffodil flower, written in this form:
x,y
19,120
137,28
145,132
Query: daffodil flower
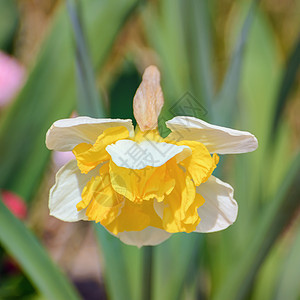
x,y
141,187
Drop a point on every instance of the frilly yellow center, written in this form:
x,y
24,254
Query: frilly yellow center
x,y
124,199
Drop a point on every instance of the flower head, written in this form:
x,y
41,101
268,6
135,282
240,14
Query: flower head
x,y
139,186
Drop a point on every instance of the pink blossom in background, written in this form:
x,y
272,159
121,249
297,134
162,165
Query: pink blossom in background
x,y
12,75
15,204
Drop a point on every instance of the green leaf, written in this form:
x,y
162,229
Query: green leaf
x,y
121,265
224,107
164,31
48,95
9,18
272,221
124,87
89,103
198,33
14,286
21,243
288,282
289,77
174,261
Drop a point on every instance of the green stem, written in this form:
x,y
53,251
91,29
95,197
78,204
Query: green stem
x,y
147,273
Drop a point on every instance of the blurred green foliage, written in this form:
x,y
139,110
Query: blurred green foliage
x,y
8,23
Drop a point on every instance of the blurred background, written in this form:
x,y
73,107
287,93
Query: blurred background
x,y
232,63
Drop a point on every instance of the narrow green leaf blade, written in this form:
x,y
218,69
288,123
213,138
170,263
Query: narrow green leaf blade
x,y
89,103
9,19
200,49
116,272
164,30
224,107
288,80
271,224
25,248
288,283
174,261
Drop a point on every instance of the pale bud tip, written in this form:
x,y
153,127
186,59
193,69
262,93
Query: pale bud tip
x,y
148,100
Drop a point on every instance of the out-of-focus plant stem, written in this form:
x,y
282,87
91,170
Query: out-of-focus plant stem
x,y
147,272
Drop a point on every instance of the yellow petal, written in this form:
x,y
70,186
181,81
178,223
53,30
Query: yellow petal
x,y
200,164
150,135
180,212
89,156
140,185
135,217
102,202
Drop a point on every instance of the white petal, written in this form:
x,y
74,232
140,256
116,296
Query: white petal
x,y
220,209
150,236
65,134
129,154
66,192
217,139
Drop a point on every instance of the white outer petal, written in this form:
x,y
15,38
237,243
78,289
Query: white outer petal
x,y
220,209
66,192
132,155
65,134
149,236
217,139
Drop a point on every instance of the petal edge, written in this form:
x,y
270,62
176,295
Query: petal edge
x,y
65,134
66,193
149,236
217,139
220,209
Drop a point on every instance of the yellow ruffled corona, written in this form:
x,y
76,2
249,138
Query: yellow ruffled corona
x,y
127,195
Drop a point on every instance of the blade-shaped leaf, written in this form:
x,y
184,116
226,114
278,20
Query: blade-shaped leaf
x,y
173,260
276,215
88,103
199,46
21,243
121,265
164,30
9,19
288,80
288,283
224,107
